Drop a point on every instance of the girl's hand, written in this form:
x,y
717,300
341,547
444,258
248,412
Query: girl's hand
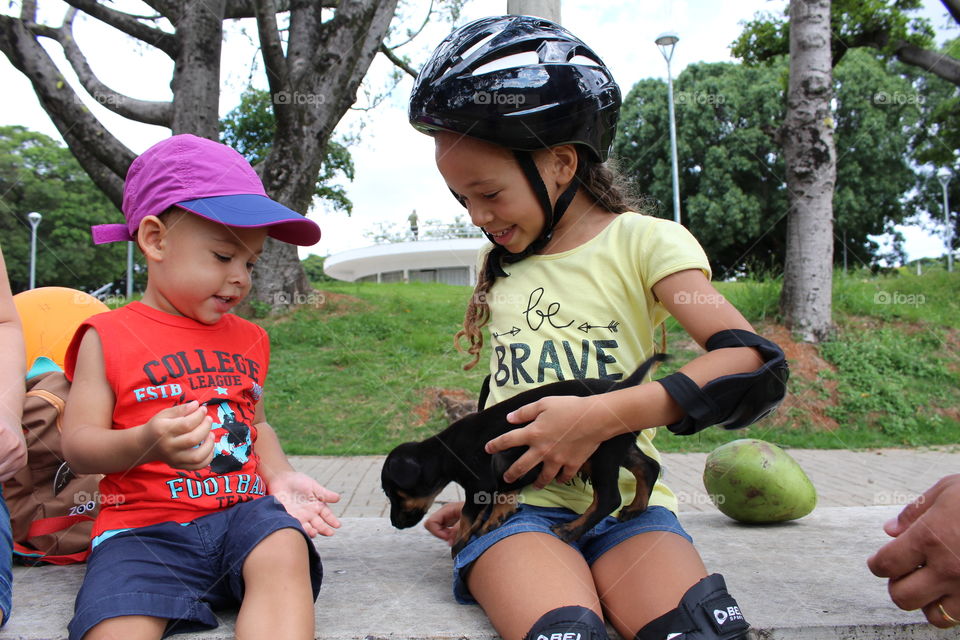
x,y
562,434
180,436
444,523
306,500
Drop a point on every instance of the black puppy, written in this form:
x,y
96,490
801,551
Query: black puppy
x,y
415,472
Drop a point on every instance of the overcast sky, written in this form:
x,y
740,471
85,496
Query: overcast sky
x,y
394,163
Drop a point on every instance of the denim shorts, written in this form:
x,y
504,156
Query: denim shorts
x,y
608,533
6,561
180,571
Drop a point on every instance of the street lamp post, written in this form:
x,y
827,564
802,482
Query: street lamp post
x,y
666,42
944,178
34,219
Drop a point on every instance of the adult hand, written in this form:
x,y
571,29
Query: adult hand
x,y
444,523
180,436
306,500
562,433
923,562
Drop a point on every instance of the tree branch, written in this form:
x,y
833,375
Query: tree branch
x,y
126,23
387,51
247,8
28,11
953,6
936,63
100,154
413,35
274,62
166,8
146,111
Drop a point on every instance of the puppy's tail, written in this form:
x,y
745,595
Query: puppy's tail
x,y
637,376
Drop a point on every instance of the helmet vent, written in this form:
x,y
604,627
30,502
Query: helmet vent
x,y
523,59
469,52
584,60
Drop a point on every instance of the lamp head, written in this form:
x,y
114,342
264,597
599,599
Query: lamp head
x,y
944,176
667,39
34,218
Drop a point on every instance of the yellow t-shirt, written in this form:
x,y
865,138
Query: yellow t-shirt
x,y
589,312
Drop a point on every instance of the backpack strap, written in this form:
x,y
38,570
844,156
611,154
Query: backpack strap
x,y
27,555
46,526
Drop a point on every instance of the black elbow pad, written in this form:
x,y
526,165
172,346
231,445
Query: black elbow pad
x,y
735,400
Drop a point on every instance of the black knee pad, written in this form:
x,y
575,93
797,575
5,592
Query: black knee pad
x,y
706,612
568,623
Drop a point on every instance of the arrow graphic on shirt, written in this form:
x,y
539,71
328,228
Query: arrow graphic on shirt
x,y
512,332
585,327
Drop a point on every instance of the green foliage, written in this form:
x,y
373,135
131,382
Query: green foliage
x,y
894,380
733,196
880,24
37,174
356,372
249,128
352,373
313,266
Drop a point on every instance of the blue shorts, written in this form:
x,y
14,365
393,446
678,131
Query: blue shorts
x,y
181,572
608,533
6,561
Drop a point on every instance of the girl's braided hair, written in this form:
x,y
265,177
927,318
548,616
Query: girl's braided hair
x,y
609,191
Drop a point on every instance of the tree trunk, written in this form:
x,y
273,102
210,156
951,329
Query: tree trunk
x,y
810,154
549,9
313,85
196,73
313,82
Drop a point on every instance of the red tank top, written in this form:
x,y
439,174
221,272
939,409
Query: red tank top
x,y
156,360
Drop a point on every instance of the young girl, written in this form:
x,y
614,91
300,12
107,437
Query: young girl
x,y
523,114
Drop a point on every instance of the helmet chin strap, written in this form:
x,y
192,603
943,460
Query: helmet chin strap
x,y
552,215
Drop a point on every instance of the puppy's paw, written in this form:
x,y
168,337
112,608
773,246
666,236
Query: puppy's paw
x,y
629,513
567,532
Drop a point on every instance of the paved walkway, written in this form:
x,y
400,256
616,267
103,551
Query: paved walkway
x,y
879,477
800,580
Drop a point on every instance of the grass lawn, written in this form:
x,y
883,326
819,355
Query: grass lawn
x,y
358,372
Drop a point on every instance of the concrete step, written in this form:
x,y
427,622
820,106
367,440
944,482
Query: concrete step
x,y
801,580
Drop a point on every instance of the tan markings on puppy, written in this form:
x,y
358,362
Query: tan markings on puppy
x,y
414,503
504,505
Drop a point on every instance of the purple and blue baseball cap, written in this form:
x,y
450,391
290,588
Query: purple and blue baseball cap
x,y
208,179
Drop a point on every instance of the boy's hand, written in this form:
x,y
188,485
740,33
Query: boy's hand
x,y
444,523
180,436
306,500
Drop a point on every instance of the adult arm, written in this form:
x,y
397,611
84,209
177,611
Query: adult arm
x,y
13,449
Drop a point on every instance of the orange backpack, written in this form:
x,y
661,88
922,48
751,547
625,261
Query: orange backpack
x,y
51,508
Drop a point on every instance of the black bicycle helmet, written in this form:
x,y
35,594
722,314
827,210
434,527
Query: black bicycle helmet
x,y
523,83
520,82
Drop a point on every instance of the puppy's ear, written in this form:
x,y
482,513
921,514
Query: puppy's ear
x,y
405,471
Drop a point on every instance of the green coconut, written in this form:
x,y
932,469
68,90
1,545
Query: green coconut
x,y
757,482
